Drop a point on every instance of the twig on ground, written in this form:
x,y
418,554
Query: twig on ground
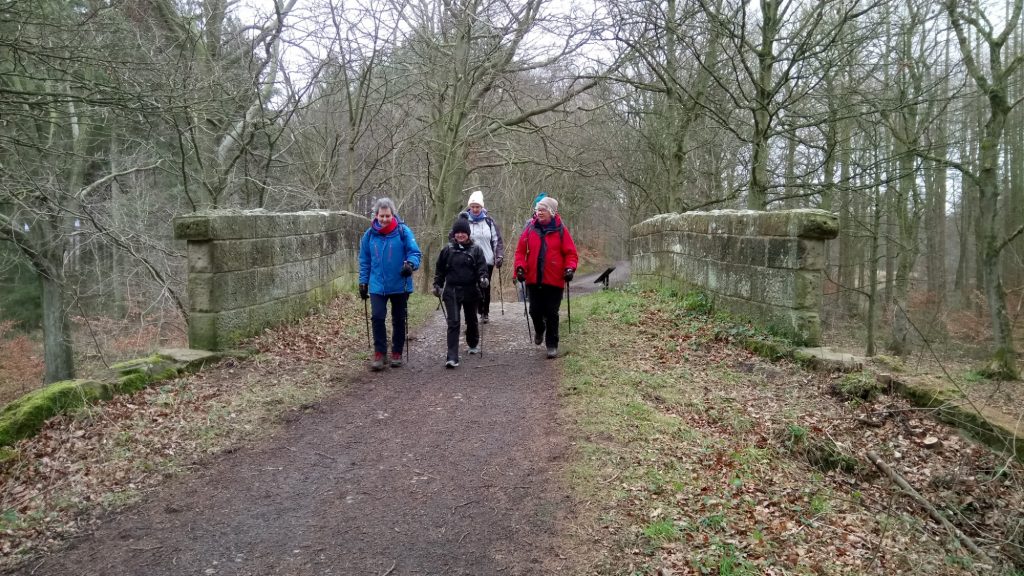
x,y
864,420
935,514
392,569
422,473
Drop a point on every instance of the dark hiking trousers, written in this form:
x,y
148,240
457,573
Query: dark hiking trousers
x,y
485,293
378,315
544,303
459,299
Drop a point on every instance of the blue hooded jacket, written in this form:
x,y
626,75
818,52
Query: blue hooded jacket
x,y
381,257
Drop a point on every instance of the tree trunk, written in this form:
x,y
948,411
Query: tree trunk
x,y
907,214
847,244
757,199
876,227
57,349
1004,358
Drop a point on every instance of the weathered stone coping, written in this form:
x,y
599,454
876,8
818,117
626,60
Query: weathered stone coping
x,y
25,416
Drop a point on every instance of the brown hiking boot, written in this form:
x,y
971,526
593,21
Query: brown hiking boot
x,y
378,362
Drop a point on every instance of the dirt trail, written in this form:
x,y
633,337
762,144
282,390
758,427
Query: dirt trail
x,y
416,470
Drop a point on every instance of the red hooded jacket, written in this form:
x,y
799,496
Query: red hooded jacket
x,y
548,252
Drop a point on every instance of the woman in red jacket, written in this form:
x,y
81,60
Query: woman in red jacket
x,y
546,259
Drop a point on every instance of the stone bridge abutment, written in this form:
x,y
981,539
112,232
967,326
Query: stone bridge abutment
x,y
250,269
767,267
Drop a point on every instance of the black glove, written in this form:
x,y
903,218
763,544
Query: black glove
x,y
521,274
568,274
436,290
484,282
364,291
406,269
497,261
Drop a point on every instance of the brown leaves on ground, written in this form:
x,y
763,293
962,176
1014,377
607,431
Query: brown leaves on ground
x,y
707,451
80,466
21,363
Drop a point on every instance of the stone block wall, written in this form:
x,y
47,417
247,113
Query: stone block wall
x,y
763,266
251,269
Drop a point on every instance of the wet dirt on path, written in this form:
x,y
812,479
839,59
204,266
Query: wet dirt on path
x,y
414,470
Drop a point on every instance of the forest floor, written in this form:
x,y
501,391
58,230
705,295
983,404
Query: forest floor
x,y
654,445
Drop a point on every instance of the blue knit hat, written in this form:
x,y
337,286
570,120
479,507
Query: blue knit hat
x,y
540,197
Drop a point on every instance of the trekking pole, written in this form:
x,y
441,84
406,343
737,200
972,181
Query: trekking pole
x,y
407,328
501,296
440,303
568,302
526,315
366,314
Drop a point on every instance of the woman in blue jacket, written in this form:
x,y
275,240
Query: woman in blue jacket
x,y
388,255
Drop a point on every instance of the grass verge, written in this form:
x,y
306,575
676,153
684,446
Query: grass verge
x,y
694,456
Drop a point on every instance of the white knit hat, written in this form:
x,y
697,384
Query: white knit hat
x,y
548,202
476,197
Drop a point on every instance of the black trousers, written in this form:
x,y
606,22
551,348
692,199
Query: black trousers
x,y
485,293
459,300
544,303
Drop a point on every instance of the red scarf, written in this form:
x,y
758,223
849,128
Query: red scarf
x,y
385,230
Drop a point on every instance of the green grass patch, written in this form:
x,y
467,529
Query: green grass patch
x,y
661,531
670,453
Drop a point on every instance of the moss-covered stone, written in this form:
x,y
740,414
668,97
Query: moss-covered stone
x,y
947,408
858,386
26,415
772,349
893,363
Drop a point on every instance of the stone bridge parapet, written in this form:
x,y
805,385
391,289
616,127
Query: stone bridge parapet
x,y
251,269
766,267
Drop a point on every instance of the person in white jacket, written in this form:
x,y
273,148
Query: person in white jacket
x,y
485,234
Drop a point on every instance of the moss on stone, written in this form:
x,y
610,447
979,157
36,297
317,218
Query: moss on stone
x,y
770,348
131,383
858,386
973,424
137,364
26,415
894,363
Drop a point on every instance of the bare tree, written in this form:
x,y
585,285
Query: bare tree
x,y
61,81
992,80
466,56
221,76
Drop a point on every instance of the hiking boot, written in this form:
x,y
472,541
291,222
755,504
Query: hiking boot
x,y
484,319
538,338
378,362
451,364
396,359
552,352
474,350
